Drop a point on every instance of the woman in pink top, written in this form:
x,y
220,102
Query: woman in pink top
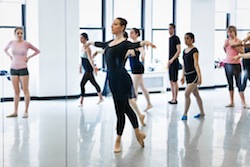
x,y
232,67
19,72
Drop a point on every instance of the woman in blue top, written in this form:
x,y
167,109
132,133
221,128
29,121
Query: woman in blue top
x,y
191,70
119,80
137,67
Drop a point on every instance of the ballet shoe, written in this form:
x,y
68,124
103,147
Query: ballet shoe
x,y
230,105
246,106
80,105
100,101
173,102
11,115
184,118
199,116
140,138
117,148
142,117
148,107
25,115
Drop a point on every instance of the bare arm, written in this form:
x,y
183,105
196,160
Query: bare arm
x,y
88,51
197,67
143,53
97,52
183,74
244,56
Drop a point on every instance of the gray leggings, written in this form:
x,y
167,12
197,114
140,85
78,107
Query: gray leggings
x,y
233,70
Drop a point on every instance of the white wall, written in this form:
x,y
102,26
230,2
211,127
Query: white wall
x,y
198,17
58,28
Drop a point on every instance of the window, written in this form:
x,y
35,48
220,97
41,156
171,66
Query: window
x,y
11,16
162,15
91,22
90,13
130,10
221,24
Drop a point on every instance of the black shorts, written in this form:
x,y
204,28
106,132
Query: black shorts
x,y
173,73
192,78
19,72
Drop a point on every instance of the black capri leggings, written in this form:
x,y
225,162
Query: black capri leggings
x,y
234,70
122,107
89,76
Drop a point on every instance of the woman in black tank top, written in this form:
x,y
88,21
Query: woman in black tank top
x,y
191,71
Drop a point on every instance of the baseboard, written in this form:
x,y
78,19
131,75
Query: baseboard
x,y
6,99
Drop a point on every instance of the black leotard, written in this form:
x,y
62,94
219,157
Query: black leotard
x,y
190,71
119,80
135,64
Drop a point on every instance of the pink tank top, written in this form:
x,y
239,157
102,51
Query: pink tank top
x,y
231,52
19,52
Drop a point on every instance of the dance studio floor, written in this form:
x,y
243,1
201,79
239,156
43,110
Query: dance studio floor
x,y
60,134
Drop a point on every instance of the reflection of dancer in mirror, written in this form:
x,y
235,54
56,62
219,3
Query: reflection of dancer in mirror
x,y
19,71
191,70
190,147
245,60
233,68
119,80
173,63
137,67
88,64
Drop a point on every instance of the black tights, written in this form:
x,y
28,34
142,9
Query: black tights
x,y
89,76
122,107
245,78
233,70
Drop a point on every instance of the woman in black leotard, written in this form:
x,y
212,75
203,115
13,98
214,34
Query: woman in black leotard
x,y
137,67
119,80
192,72
88,65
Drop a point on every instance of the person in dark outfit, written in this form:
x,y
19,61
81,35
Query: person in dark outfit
x,y
245,60
88,66
120,81
173,63
191,70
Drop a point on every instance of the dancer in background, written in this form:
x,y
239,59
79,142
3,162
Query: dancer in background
x,y
133,95
233,68
137,67
191,70
119,80
19,71
88,65
245,60
173,63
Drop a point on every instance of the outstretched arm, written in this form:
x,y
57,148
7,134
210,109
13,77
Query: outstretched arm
x,y
244,56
